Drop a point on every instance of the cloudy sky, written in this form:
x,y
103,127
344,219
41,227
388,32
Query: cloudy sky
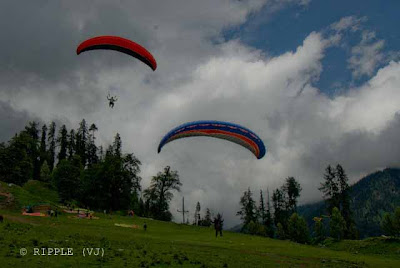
x,y
318,81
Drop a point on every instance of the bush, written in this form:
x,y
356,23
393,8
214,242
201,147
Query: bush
x,y
254,228
164,216
297,229
280,231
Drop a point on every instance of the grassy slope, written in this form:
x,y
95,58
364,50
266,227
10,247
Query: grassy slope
x,y
384,246
164,244
33,192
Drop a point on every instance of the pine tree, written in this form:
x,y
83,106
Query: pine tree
x,y
16,164
101,153
344,199
330,189
119,178
63,143
82,141
52,145
248,211
261,209
45,172
207,219
66,177
117,145
269,223
279,204
92,149
43,147
130,172
284,201
71,144
292,189
33,150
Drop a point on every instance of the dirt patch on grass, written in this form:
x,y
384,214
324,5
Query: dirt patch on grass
x,y
19,219
8,199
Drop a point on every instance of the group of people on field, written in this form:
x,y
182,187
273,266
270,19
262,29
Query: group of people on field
x,y
52,213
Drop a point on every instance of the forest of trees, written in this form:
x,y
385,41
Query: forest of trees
x,y
83,173
391,223
285,223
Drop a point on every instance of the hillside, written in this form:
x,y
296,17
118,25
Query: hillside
x,y
371,197
33,192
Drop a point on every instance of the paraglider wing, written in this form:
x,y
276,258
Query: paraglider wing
x,y
118,44
217,129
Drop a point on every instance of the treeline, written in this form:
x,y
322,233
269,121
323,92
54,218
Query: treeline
x,y
83,173
282,220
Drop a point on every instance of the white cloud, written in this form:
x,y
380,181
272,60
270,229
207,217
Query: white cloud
x,y
367,55
372,106
351,23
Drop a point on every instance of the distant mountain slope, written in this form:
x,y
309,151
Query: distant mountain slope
x,y
371,197
236,228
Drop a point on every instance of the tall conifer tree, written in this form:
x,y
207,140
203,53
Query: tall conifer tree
x,y
52,145
63,143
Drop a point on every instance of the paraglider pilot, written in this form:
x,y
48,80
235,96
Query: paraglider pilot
x,y
111,100
218,223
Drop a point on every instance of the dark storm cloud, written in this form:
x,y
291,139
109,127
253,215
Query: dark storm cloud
x,y
12,121
37,40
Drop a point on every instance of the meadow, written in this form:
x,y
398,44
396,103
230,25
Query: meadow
x,y
166,244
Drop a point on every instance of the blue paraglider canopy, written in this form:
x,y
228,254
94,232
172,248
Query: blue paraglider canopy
x,y
218,129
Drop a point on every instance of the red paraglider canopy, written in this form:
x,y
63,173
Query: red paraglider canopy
x,y
119,44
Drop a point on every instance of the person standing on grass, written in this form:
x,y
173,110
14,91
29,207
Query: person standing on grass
x,y
218,223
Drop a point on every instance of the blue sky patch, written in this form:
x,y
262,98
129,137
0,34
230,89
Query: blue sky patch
x,y
285,30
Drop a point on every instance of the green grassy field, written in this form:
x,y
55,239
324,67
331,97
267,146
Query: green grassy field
x,y
169,244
